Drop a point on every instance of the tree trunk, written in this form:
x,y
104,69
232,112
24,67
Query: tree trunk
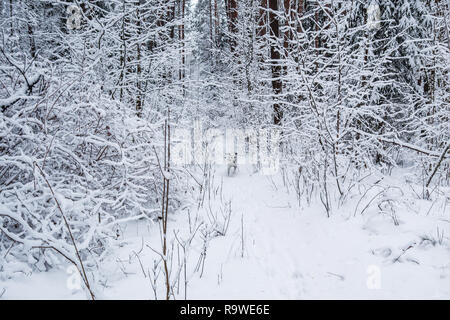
x,y
181,35
275,59
138,58
232,15
216,19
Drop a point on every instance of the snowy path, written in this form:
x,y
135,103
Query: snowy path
x,y
288,253
296,254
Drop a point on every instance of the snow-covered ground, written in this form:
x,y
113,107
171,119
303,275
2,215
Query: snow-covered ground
x,y
276,249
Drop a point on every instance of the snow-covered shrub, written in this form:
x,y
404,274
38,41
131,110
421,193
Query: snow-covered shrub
x,y
77,142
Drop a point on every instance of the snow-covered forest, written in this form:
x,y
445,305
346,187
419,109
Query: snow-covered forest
x,y
224,149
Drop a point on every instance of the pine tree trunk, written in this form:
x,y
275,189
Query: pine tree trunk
x,y
138,58
275,59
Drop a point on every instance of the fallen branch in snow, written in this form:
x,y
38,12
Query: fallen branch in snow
x,y
340,277
403,252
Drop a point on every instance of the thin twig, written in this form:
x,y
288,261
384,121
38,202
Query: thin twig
x,y
83,273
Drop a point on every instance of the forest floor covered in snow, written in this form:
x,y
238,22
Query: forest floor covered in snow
x,y
276,248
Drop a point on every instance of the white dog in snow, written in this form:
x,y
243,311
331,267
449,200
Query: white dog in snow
x,y
231,164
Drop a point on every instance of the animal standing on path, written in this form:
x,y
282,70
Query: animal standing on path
x,y
232,164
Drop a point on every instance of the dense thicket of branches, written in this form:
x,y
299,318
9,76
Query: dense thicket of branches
x,y
86,86
84,93
348,92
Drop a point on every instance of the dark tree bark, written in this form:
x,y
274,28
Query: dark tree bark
x,y
138,67
181,35
232,15
275,59
217,20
